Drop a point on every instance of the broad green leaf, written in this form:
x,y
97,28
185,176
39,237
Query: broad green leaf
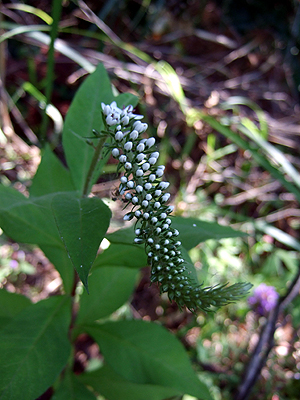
x,y
123,236
11,305
34,348
27,220
58,256
82,224
31,221
146,353
51,176
113,386
109,289
194,231
70,388
84,115
122,255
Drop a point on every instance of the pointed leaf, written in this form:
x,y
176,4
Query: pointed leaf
x,y
84,115
34,348
122,255
24,220
109,289
194,231
144,352
51,176
72,389
82,224
113,386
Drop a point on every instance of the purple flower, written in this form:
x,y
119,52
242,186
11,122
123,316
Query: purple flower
x,y
264,299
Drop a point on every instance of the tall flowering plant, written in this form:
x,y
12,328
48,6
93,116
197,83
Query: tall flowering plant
x,y
145,192
61,217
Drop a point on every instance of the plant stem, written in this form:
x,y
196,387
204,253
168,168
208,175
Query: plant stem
x,y
93,165
56,13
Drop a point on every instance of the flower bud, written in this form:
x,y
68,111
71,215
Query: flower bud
x,y
115,152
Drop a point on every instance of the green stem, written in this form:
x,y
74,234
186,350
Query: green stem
x,y
56,13
93,165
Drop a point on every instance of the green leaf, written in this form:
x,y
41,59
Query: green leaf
x,y
11,305
113,386
70,388
34,348
123,236
122,255
24,220
58,256
84,115
146,353
194,231
51,176
109,289
82,224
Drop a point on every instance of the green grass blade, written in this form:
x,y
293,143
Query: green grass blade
x,y
260,159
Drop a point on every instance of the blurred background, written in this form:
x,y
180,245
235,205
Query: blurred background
x,y
218,83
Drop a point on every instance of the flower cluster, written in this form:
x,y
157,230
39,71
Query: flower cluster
x,y
264,299
143,189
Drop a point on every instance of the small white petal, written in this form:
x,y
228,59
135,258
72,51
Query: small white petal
x,y
139,173
137,232
157,204
154,220
140,147
128,165
158,230
152,177
155,154
119,136
134,200
157,193
122,158
150,142
134,135
128,196
139,189
165,197
145,203
163,215
148,186
148,197
123,179
137,213
152,160
128,146
145,166
150,240
168,221
130,185
159,173
146,215
115,152
125,120
140,157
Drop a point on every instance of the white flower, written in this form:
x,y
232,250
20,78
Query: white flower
x,y
128,146
122,158
128,165
140,147
150,142
134,135
140,157
119,136
145,166
115,152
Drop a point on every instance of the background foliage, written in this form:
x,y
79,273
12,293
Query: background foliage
x,y
219,81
